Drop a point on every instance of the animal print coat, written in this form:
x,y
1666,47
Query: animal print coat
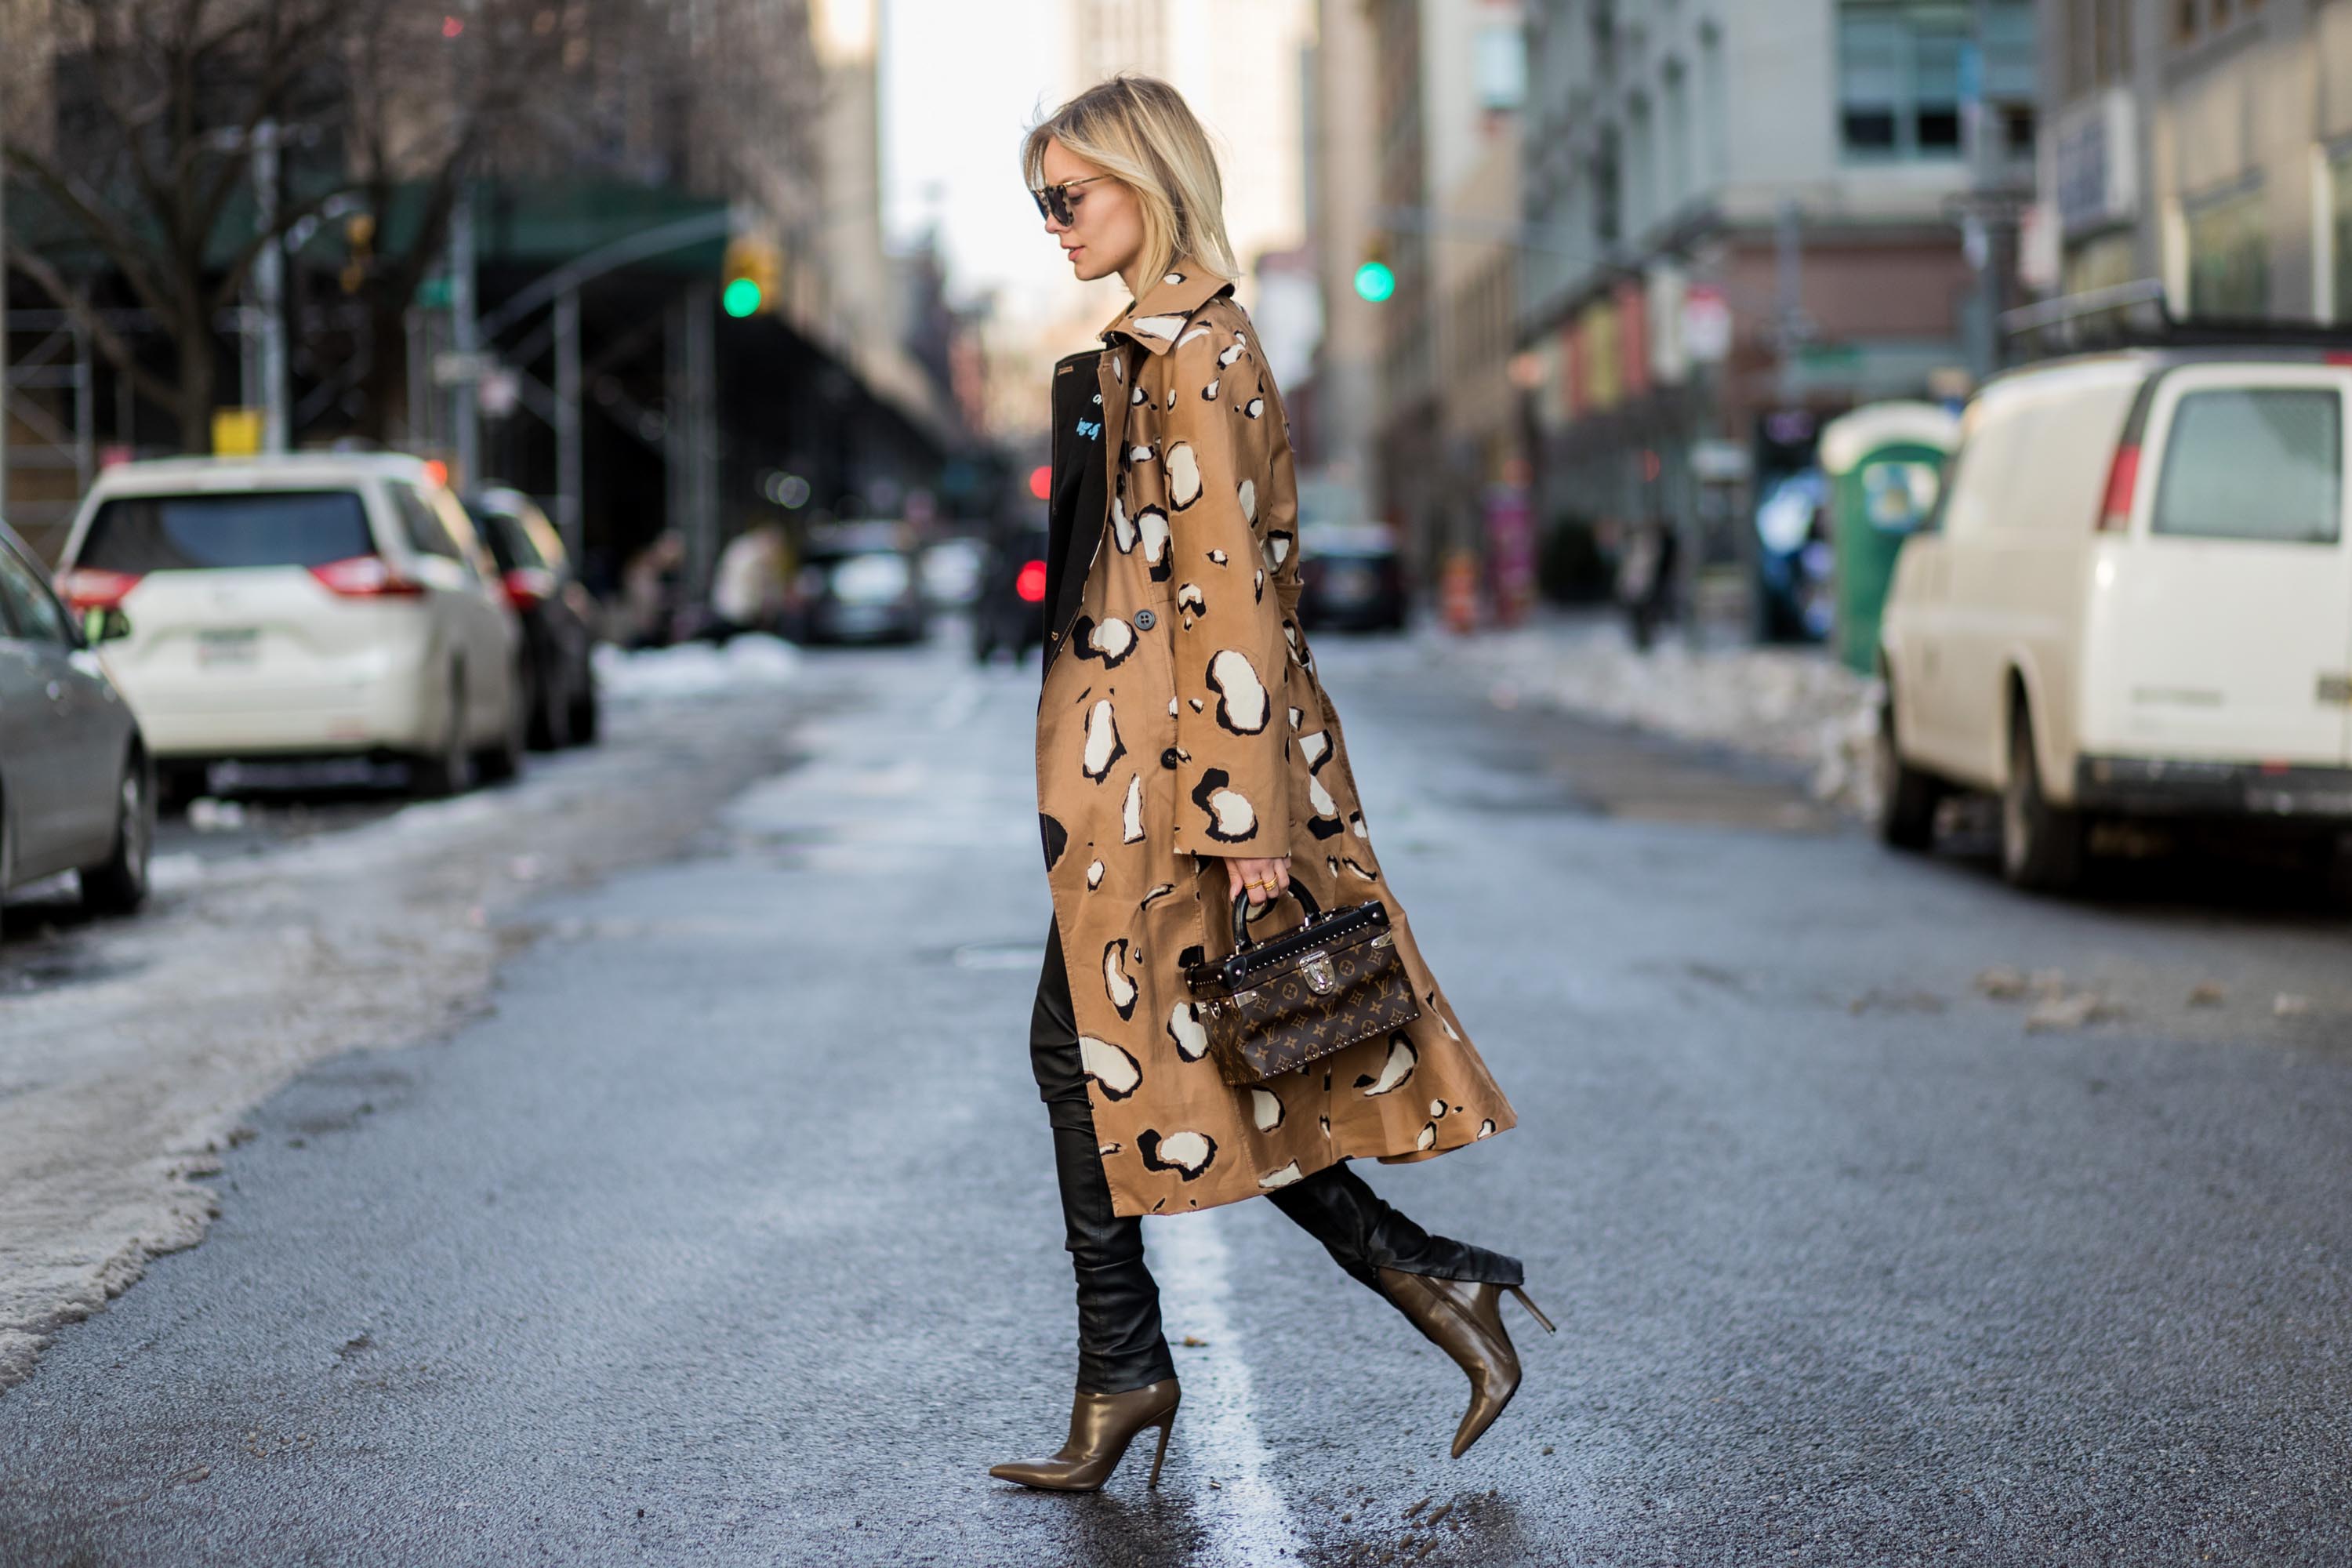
x,y
1181,722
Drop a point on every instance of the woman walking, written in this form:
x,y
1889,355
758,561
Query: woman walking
x,y
1187,757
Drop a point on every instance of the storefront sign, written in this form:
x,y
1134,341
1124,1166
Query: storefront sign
x,y
2094,163
1707,324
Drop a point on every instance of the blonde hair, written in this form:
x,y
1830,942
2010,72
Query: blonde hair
x,y
1140,129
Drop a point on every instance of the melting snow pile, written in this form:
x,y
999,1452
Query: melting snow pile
x,y
1798,705
752,661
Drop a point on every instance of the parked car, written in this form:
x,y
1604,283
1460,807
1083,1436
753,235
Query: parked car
x,y
2134,600
1009,610
302,606
858,582
559,616
77,789
1350,576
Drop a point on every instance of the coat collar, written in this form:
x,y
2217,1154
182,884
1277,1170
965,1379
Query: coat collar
x,y
1156,319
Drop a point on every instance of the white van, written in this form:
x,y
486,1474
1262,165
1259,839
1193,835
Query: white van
x,y
2134,600
306,605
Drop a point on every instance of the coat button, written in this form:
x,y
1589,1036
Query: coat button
x,y
1143,619
1170,758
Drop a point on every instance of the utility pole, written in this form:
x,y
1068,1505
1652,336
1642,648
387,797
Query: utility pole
x,y
568,486
269,288
466,339
4,299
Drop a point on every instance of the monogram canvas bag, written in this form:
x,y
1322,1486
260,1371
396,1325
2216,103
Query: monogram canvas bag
x,y
1273,1006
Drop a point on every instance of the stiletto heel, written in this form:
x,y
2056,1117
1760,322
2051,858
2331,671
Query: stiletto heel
x,y
1161,1456
1534,1309
1101,1426
1465,1319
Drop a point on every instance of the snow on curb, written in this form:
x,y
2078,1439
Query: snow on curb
x,y
753,660
1794,705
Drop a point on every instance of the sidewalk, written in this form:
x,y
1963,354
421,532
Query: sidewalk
x,y
1798,705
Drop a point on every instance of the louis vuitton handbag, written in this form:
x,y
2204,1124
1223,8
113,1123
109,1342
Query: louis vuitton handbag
x,y
1273,1006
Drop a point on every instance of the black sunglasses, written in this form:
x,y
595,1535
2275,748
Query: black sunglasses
x,y
1054,201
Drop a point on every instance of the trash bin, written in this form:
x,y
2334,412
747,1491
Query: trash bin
x,y
1885,462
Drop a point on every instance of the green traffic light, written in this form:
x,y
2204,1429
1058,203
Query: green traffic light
x,y
1374,282
741,297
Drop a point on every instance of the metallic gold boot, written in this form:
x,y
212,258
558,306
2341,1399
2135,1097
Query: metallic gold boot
x,y
1464,1318
1101,1426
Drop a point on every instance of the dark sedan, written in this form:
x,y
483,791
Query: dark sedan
x,y
77,789
857,583
1351,577
558,617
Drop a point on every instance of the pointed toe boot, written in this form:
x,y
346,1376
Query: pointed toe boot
x,y
1464,1318
1101,1426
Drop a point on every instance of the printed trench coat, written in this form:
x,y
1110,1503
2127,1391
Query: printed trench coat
x,y
1181,722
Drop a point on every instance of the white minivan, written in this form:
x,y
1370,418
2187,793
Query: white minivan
x,y
306,605
2136,599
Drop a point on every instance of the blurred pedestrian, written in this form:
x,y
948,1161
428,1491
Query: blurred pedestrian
x,y
1186,753
1645,580
650,591
747,591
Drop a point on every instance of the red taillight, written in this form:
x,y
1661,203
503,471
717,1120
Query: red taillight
x,y
527,585
92,588
366,577
1031,583
2123,475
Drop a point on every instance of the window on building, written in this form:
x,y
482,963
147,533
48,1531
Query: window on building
x,y
2339,228
1903,68
2229,256
1608,214
1899,65
1640,171
1674,117
1501,66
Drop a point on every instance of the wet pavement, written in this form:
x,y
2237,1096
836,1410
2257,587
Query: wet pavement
x,y
726,1233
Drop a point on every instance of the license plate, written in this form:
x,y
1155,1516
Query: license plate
x,y
239,647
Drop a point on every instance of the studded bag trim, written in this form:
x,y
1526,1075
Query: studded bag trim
x,y
1272,1007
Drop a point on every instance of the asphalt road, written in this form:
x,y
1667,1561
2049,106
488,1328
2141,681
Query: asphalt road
x,y
727,1236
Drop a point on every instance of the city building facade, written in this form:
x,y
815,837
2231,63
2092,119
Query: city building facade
x,y
2203,147
1742,220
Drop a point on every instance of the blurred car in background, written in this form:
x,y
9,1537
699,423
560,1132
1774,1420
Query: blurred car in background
x,y
2135,601
76,789
311,604
1795,562
1351,577
1009,610
559,617
858,582
952,572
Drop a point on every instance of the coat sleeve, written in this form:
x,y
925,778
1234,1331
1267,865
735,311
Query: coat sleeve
x,y
1233,775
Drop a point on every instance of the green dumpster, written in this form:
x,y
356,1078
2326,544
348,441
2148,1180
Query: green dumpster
x,y
1885,463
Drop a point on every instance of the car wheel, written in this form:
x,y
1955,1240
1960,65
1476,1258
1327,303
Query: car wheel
x,y
449,769
586,714
1908,797
118,885
2040,844
504,760
552,717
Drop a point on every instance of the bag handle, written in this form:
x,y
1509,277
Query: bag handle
x,y
1242,943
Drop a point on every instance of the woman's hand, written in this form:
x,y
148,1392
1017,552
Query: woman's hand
x,y
1266,879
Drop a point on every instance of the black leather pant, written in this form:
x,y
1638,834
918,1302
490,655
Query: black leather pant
x,y
1120,1346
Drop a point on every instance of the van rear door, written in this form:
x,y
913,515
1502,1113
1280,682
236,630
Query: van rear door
x,y
2231,602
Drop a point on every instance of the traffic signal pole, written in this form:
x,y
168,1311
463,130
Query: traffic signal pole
x,y
568,481
466,338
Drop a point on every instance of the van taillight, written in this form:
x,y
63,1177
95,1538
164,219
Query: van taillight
x,y
93,588
366,577
2123,475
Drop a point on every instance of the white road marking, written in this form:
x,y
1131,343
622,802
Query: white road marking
x,y
1216,1426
